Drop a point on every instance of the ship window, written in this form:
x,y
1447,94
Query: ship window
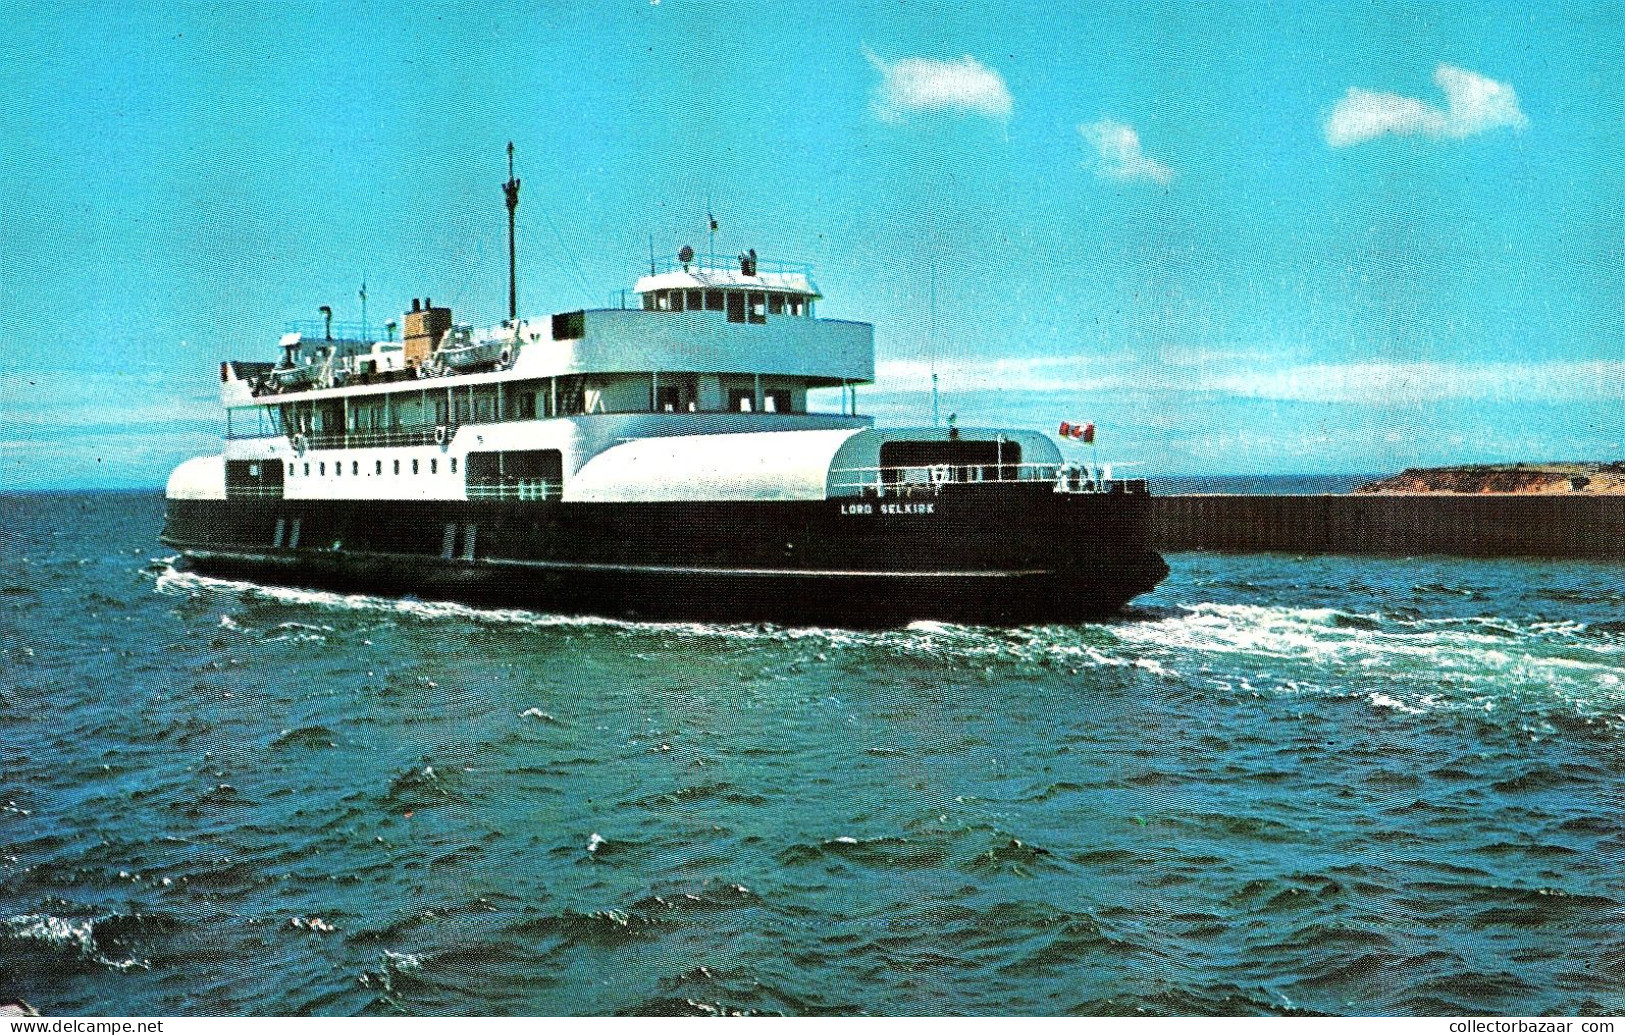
x,y
776,400
775,305
670,399
307,470
338,468
355,467
453,465
527,406
380,468
796,303
696,300
434,466
649,302
736,307
741,399
677,298
324,468
290,470
397,467
414,465
758,307
484,407
462,410
713,301
569,326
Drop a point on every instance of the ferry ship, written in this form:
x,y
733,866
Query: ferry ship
x,y
656,458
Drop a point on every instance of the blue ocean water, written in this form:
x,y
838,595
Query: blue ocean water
x,y
1281,784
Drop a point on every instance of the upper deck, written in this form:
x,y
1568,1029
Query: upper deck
x,y
701,317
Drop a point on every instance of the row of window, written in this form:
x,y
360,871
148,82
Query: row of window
x,y
378,468
741,306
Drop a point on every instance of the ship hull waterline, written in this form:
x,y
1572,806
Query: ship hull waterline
x,y
1008,556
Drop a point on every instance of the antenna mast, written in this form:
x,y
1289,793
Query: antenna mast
x,y
936,411
511,189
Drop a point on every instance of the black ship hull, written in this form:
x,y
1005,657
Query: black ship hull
x,y
991,554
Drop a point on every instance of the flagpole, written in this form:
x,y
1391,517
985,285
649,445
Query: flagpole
x,y
711,228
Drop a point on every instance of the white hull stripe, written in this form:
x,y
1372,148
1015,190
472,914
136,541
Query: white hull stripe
x,y
642,569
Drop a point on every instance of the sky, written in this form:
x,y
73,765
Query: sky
x,y
1240,239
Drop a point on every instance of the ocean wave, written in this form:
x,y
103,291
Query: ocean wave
x,y
84,941
1422,664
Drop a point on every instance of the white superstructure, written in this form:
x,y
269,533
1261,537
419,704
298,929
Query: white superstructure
x,y
711,355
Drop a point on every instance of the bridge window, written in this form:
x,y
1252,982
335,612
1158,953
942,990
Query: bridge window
x,y
649,304
776,400
797,305
775,304
736,307
696,300
742,400
758,307
677,298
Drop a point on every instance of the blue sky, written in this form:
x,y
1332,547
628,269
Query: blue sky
x,y
1243,239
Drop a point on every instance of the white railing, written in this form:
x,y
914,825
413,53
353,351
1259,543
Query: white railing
x,y
914,479
253,492
523,489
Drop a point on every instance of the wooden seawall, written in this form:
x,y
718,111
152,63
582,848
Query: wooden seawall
x,y
1578,526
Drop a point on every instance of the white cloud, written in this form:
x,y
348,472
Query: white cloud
x,y
1242,373
1401,384
1027,374
1473,104
918,84
1120,156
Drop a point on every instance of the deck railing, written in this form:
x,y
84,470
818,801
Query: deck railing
x,y
915,479
519,489
253,492
318,330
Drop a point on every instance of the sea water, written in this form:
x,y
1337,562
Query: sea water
x,y
1278,785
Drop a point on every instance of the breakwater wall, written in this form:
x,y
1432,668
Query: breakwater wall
x,y
1588,527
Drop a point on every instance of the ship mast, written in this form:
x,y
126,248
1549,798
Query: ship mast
x,y
511,189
